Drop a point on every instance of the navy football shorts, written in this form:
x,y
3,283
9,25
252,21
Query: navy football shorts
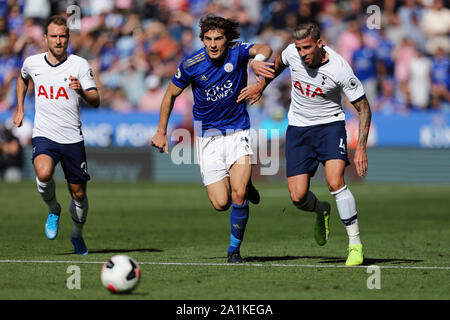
x,y
306,147
71,155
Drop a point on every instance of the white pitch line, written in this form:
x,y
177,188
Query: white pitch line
x,y
231,265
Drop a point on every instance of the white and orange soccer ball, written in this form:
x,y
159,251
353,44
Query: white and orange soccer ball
x,y
120,274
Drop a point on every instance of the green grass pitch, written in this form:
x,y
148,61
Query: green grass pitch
x,y
180,242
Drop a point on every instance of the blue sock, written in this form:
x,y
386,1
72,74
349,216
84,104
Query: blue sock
x,y
238,221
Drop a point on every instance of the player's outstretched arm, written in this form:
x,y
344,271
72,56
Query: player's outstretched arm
x,y
91,96
160,140
21,91
365,116
254,92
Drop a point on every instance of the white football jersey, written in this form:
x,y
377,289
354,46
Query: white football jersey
x,y
57,115
316,93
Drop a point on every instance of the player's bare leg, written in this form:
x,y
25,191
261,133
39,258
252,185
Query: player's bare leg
x,y
240,173
79,207
305,200
219,194
298,189
44,168
334,174
345,202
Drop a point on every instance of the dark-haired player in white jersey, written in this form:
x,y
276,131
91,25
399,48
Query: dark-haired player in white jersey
x,y
316,132
60,80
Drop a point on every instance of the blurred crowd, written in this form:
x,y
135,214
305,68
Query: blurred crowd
x,y
11,155
134,47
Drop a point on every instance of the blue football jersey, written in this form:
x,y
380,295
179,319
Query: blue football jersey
x,y
215,88
365,63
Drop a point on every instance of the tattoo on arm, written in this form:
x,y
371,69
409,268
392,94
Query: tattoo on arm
x,y
365,116
278,67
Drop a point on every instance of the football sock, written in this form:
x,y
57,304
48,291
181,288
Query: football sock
x,y
353,233
311,204
79,211
238,220
346,206
48,194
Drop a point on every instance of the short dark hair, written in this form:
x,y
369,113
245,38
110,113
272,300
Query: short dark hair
x,y
305,30
58,20
230,26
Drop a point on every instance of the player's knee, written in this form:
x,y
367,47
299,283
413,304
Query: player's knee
x,y
335,184
78,195
220,200
221,205
298,197
239,195
44,174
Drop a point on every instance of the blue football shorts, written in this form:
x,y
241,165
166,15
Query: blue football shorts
x,y
72,157
306,147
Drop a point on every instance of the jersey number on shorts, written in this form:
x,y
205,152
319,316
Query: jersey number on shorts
x,y
342,145
84,167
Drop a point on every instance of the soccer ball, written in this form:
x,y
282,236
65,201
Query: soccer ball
x,y
120,274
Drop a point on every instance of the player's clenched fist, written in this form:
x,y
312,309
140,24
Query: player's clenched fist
x,y
74,84
160,142
18,119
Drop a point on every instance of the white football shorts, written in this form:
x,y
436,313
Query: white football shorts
x,y
216,154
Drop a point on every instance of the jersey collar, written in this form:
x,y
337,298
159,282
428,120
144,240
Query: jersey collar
x,y
321,64
56,65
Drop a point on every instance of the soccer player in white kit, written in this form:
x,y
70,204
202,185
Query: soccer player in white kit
x,y
316,132
60,79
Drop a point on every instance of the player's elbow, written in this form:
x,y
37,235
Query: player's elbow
x,y
21,85
94,100
96,103
91,96
266,51
269,49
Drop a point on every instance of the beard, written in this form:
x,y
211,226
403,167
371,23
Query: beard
x,y
58,55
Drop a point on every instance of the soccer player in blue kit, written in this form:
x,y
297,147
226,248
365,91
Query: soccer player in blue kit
x,y
217,73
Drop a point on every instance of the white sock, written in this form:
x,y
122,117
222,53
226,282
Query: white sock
x,y
346,205
353,233
79,211
48,194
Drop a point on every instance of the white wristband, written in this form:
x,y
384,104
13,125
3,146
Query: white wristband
x,y
260,57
